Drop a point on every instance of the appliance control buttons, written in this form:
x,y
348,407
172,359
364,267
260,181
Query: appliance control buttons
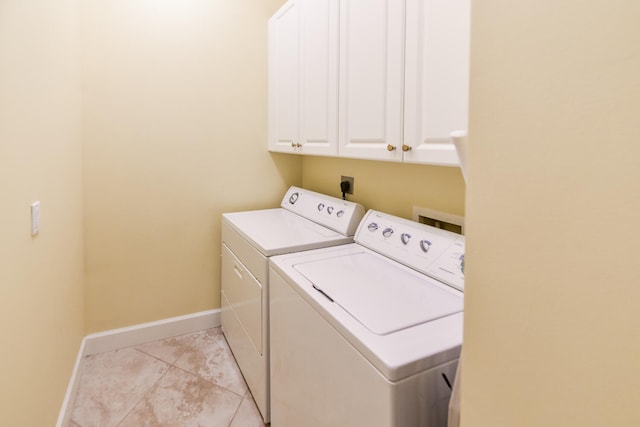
x,y
373,227
405,237
294,198
320,206
425,245
329,210
387,232
340,213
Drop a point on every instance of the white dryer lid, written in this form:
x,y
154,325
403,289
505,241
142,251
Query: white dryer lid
x,y
278,231
383,296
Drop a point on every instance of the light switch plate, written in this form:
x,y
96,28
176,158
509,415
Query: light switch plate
x,y
35,218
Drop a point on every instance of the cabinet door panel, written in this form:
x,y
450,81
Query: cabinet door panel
x,y
437,78
371,76
284,75
319,77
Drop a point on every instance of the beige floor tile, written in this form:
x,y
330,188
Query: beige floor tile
x,y
137,386
183,399
168,350
111,384
248,414
210,358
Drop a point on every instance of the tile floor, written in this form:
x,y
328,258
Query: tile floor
x,y
190,380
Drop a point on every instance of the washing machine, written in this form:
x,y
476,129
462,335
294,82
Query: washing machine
x,y
305,220
368,334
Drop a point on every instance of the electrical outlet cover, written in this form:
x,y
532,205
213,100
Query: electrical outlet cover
x,y
350,180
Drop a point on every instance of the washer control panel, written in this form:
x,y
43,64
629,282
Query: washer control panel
x,y
339,215
432,251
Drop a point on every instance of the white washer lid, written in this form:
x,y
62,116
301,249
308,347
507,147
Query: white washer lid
x,y
278,231
383,296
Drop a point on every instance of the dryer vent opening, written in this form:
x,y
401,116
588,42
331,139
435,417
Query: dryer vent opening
x,y
443,220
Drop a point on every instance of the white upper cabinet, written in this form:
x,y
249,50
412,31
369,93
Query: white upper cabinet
x,y
436,78
284,71
371,79
303,78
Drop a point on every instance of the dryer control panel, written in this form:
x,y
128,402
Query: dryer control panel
x,y
435,252
339,215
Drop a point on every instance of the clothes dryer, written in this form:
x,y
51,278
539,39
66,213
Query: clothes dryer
x,y
305,220
368,333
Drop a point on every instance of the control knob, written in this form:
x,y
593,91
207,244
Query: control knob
x,y
425,245
387,232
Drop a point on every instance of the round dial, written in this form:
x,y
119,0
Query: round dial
x,y
425,245
340,213
387,232
294,198
462,263
372,227
329,209
320,206
405,237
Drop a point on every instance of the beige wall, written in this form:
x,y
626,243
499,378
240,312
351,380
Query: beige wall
x,y
41,294
175,134
174,129
389,187
552,288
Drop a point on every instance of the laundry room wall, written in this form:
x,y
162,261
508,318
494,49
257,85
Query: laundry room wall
x,y
41,277
175,128
552,284
394,188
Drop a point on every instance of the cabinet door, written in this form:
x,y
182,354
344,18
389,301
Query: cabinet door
x,y
303,78
371,79
437,78
319,77
284,72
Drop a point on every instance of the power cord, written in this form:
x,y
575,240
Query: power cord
x,y
344,186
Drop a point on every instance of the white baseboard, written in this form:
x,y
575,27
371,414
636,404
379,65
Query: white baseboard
x,y
133,335
152,331
64,417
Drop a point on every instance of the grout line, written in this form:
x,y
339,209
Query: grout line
x,y
151,388
209,381
190,347
235,414
171,364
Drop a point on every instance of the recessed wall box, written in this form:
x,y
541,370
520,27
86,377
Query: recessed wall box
x,y
443,220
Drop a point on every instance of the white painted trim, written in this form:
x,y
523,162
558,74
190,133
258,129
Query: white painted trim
x,y
64,417
153,331
133,335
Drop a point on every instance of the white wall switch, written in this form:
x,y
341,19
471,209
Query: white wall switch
x,y
35,218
